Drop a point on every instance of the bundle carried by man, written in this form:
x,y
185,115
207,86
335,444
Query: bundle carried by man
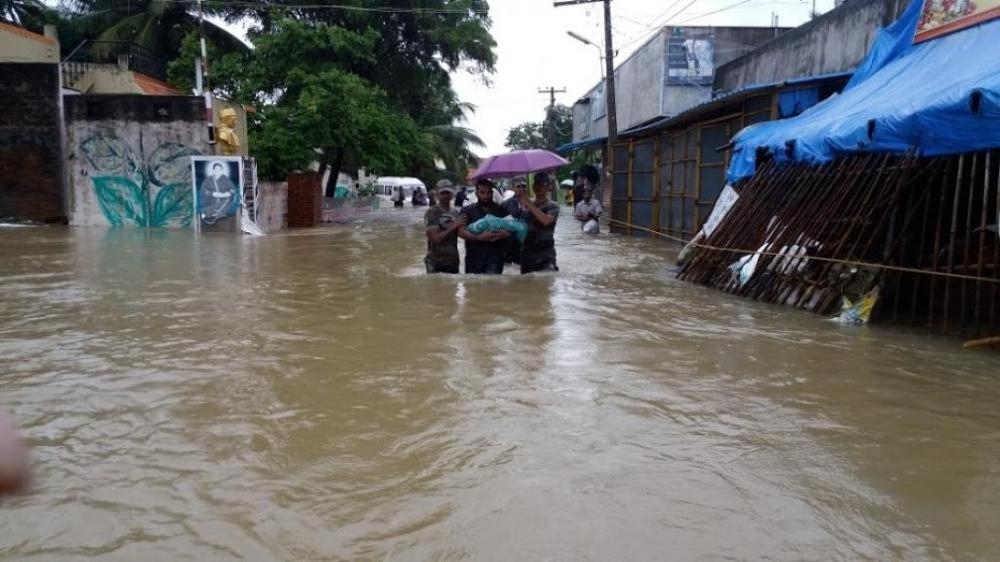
x,y
491,223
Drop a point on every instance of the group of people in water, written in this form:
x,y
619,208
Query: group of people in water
x,y
530,244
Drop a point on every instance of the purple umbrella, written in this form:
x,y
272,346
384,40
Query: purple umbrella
x,y
519,162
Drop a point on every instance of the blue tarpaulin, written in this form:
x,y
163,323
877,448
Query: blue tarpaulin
x,y
794,102
938,97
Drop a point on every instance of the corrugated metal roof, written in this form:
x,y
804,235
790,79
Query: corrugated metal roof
x,y
573,146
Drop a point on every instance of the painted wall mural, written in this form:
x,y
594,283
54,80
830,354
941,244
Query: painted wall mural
x,y
139,188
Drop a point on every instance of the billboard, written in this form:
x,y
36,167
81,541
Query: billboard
x,y
940,17
218,190
690,57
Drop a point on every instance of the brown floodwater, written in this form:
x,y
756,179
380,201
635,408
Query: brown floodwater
x,y
312,395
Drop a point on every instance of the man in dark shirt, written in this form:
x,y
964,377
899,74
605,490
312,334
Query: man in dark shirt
x,y
442,225
484,252
539,250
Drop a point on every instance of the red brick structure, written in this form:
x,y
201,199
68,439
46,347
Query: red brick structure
x,y
30,146
305,200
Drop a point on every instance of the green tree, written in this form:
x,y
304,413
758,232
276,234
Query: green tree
x,y
524,136
413,48
554,131
25,13
157,25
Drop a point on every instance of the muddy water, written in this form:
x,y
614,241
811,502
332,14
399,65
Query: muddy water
x,y
314,396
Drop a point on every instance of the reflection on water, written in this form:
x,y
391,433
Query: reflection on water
x,y
313,395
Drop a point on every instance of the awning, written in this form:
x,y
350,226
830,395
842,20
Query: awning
x,y
574,146
937,97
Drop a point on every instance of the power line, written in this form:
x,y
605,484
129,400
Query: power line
x,y
378,9
654,27
729,7
681,11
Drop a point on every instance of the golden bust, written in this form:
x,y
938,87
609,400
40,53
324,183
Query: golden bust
x,y
229,140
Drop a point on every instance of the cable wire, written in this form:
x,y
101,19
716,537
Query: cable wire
x,y
885,267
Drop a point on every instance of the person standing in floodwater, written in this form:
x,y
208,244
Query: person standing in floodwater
x,y
539,250
484,253
514,208
442,224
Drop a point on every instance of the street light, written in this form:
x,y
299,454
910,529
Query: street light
x,y
585,41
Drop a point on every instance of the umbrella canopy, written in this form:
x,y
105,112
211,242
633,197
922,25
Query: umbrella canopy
x,y
519,162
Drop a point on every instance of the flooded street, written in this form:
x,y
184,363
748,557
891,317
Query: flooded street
x,y
312,395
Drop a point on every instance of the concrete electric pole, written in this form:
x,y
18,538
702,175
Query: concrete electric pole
x,y
552,94
609,77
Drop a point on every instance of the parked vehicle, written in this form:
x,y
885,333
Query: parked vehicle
x,y
388,187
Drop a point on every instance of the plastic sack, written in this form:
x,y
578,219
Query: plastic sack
x,y
591,227
857,312
491,223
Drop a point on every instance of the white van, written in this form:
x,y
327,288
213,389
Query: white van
x,y
388,187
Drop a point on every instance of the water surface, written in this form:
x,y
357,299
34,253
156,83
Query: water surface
x,y
313,395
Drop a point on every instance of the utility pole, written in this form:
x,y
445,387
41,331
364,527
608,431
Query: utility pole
x,y
549,125
204,67
552,94
609,77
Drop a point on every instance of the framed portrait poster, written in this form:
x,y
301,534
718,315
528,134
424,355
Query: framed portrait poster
x,y
217,182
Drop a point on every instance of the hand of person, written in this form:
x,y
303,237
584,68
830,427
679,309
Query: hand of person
x,y
461,221
502,235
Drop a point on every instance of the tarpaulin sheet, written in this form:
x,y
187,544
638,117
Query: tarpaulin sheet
x,y
794,102
938,97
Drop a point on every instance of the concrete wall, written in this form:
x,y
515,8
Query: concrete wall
x,y
93,78
272,205
834,42
646,89
128,159
22,46
638,82
30,142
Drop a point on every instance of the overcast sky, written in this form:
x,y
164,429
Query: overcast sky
x,y
533,50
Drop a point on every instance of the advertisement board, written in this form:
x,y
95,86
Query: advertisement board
x,y
940,17
690,57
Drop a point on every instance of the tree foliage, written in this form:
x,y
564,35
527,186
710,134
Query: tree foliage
x,y
406,56
25,13
158,26
555,130
367,87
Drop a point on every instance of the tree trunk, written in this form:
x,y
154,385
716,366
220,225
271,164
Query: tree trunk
x,y
324,162
331,183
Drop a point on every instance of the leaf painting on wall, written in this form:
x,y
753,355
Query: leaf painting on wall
x,y
109,155
121,200
171,163
173,203
135,190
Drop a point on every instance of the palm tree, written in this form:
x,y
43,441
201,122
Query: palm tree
x,y
449,140
156,25
25,13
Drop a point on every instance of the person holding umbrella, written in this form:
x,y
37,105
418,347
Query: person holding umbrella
x,y
540,214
